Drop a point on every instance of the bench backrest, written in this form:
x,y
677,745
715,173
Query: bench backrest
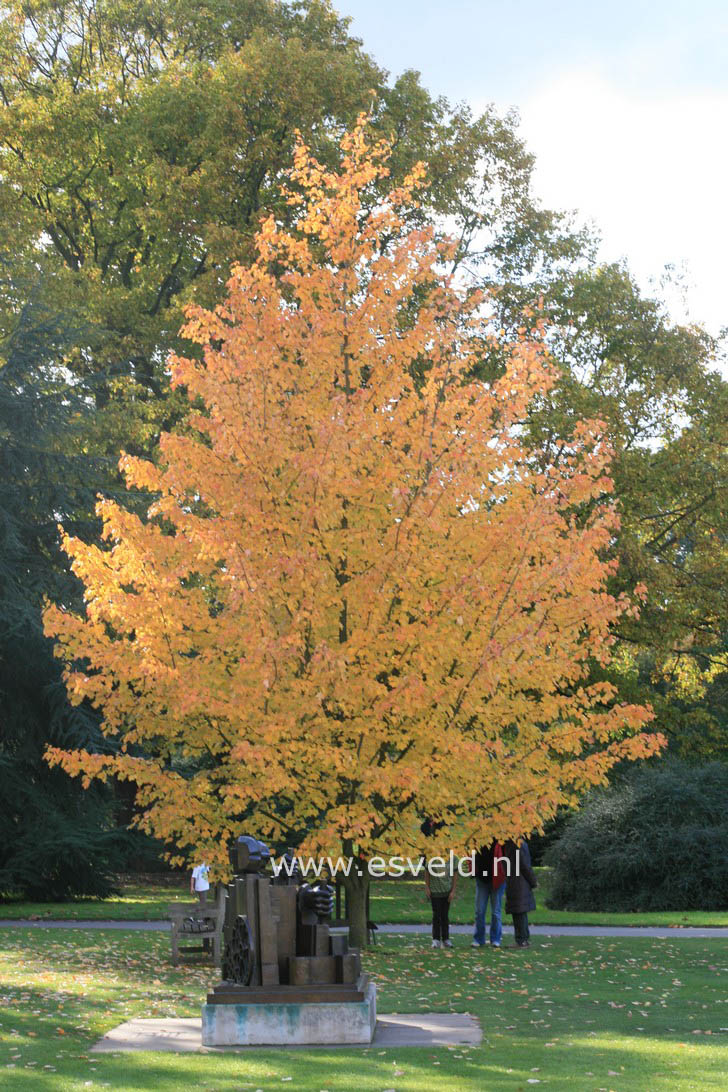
x,y
177,911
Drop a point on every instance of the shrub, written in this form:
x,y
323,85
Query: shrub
x,y
657,840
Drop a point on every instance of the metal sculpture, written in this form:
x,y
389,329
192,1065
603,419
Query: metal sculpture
x,y
238,961
279,940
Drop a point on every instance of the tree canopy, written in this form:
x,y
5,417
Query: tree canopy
x,y
140,144
357,598
666,413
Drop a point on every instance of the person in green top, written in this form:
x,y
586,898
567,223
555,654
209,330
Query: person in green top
x,y
441,880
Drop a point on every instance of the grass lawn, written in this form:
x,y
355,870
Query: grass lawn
x,y
569,1013
136,902
397,901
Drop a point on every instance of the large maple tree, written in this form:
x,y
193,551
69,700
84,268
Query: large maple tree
x,y
358,597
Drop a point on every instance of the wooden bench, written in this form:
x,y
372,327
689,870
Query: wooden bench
x,y
197,921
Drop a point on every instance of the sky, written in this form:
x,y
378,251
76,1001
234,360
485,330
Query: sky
x,y
624,105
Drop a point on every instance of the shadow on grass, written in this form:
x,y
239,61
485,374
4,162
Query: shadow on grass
x,y
624,1063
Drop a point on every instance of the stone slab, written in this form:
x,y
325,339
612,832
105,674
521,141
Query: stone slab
x,y
392,1030
291,1023
428,1029
174,1034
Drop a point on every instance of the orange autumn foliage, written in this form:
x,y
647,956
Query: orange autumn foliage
x,y
357,598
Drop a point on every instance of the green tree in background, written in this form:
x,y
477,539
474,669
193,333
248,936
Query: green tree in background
x,y
141,142
653,840
666,411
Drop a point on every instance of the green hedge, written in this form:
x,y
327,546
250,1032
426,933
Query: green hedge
x,y
657,840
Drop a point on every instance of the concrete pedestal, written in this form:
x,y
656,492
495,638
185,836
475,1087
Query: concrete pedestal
x,y
291,1023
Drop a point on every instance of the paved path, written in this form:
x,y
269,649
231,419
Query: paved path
x,y
687,933
578,931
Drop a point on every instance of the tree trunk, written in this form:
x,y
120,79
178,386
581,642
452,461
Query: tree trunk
x,y
356,906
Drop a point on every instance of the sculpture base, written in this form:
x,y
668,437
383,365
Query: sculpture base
x,y
291,1022
230,993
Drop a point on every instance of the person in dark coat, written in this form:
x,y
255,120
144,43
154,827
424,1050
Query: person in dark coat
x,y
490,877
519,889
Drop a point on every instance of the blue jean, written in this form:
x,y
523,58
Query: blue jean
x,y
483,893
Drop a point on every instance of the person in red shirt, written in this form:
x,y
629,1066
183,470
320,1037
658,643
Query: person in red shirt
x,y
490,876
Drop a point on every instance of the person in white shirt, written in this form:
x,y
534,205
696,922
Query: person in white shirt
x,y
199,882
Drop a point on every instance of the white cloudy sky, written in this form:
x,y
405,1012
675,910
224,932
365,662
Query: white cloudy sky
x,y
624,105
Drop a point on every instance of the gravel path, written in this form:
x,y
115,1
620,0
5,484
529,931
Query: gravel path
x,y
687,933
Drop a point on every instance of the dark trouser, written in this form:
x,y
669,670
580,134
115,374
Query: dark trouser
x,y
202,900
520,927
440,917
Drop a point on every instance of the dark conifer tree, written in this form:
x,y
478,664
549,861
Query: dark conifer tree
x,y
57,838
